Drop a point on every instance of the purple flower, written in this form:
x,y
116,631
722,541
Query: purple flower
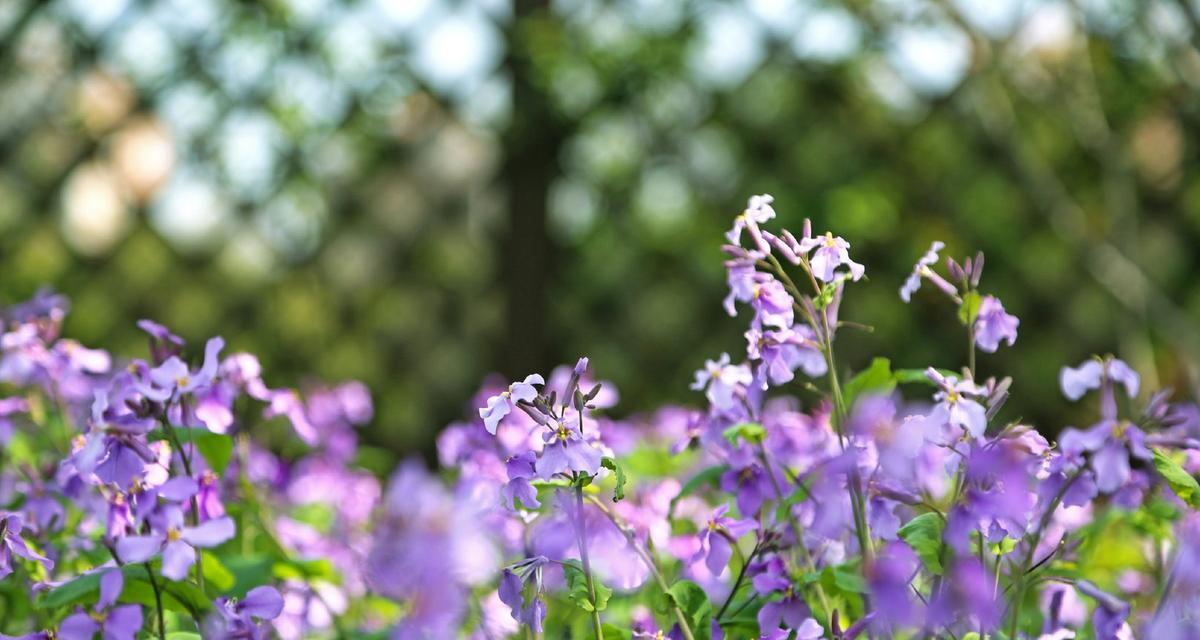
x,y
11,543
172,379
913,283
890,578
1108,619
1092,374
163,343
526,609
831,253
957,405
714,538
176,542
790,610
722,382
758,210
993,325
238,618
783,351
502,404
521,469
8,408
112,623
115,449
567,451
1061,605
750,483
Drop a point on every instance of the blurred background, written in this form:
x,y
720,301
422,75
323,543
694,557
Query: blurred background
x,y
418,192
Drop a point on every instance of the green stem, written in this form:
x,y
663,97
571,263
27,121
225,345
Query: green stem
x,y
581,533
195,513
162,627
625,530
797,530
1015,622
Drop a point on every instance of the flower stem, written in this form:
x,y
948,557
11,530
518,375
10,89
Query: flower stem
x,y
1019,598
195,514
162,627
625,530
797,530
581,533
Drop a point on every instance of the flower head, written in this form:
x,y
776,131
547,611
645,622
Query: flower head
x,y
503,403
993,324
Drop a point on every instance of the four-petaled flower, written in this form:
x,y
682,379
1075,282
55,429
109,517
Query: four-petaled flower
x,y
111,622
503,403
175,541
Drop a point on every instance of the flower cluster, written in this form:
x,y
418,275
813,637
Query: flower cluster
x,y
181,494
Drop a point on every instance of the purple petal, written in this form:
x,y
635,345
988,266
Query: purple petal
x,y
123,623
178,489
263,603
211,533
78,626
138,548
719,553
178,557
111,584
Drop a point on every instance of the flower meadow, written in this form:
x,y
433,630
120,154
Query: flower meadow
x,y
177,494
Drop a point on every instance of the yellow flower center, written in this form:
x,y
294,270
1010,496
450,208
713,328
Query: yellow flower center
x,y
98,616
173,534
182,381
562,432
829,241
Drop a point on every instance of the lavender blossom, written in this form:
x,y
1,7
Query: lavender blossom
x,y
993,324
111,622
502,404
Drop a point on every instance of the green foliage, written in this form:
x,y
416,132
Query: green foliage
x,y
694,604
748,431
924,534
875,379
215,448
708,477
611,464
969,309
577,589
1180,481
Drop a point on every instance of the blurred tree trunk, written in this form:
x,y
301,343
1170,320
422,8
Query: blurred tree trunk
x,y
532,144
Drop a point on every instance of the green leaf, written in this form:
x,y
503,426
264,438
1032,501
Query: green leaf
x,y
577,589
609,463
215,448
848,581
876,379
914,376
924,534
748,431
969,309
1180,481
183,635
613,631
215,573
249,572
692,600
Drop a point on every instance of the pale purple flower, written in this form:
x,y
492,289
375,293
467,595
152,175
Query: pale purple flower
x,y
12,543
111,622
1076,381
781,352
163,343
890,579
567,451
173,379
8,408
503,403
957,403
530,610
521,469
921,269
714,546
1108,619
993,324
238,619
1061,606
831,253
176,541
758,210
722,382
750,483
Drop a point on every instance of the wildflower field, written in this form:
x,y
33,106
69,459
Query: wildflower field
x,y
177,493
